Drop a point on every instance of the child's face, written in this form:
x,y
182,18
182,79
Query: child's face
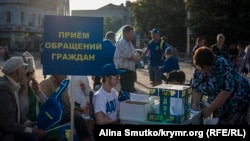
x,y
168,54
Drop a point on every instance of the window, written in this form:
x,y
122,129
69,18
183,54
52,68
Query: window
x,y
22,17
42,21
8,17
39,20
33,19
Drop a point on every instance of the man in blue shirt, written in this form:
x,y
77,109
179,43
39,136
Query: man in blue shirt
x,y
108,43
156,48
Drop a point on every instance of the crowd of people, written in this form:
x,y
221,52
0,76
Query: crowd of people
x,y
215,75
22,97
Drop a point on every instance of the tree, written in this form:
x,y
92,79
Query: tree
x,y
168,15
210,17
112,24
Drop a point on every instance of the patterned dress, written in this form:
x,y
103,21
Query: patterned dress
x,y
224,76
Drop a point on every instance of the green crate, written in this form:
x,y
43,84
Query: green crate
x,y
177,119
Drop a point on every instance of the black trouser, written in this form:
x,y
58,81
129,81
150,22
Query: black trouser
x,y
127,81
97,81
23,136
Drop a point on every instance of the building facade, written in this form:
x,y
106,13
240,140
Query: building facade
x,y
110,10
21,21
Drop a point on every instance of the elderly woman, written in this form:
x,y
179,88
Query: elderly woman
x,y
228,92
30,95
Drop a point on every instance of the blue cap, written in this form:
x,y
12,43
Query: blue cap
x,y
169,50
109,69
155,30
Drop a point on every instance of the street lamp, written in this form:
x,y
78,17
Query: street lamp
x,y
188,35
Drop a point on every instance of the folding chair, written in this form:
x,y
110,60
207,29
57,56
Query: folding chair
x,y
91,114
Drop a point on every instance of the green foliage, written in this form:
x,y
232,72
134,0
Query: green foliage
x,y
112,24
210,17
168,15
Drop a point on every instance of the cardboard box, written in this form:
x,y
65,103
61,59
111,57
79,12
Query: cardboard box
x,y
139,97
134,110
172,99
170,90
170,103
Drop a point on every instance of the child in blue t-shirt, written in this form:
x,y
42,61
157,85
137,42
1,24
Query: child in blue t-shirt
x,y
171,62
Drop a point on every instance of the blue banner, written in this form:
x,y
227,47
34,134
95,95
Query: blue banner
x,y
73,45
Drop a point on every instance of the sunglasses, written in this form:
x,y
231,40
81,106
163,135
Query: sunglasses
x,y
115,76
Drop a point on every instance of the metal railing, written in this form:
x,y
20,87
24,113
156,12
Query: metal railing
x,y
184,57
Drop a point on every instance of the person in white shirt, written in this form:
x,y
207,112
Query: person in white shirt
x,y
126,58
105,101
81,89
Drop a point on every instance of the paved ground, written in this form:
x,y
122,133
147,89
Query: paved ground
x,y
142,85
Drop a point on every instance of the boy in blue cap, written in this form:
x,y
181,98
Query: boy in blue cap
x,y
105,101
171,62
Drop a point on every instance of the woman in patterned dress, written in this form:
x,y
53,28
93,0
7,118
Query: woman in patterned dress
x,y
228,92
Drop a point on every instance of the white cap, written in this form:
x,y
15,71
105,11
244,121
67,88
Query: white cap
x,y
13,64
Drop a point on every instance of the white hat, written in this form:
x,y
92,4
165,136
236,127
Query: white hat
x,y
13,64
29,59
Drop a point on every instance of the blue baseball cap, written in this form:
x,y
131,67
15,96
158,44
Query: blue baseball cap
x,y
110,69
155,30
169,50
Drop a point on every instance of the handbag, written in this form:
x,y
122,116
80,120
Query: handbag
x,y
51,112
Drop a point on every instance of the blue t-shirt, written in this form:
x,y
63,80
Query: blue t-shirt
x,y
110,51
156,53
170,64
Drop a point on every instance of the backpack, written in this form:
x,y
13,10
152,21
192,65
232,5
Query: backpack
x,y
161,46
123,96
51,111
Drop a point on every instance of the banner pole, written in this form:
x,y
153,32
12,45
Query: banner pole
x,y
72,106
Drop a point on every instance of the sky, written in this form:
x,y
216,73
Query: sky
x,y
92,4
